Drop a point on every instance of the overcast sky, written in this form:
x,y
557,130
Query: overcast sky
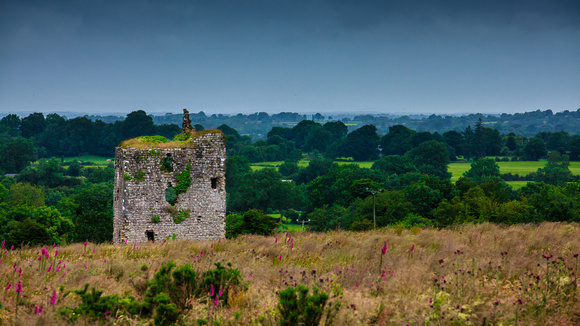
x,y
231,56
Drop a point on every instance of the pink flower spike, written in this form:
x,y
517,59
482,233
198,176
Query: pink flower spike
x,y
250,277
221,291
63,275
105,260
86,243
94,249
356,286
35,309
384,249
3,244
12,247
40,310
292,246
211,291
53,298
212,245
9,286
280,257
56,253
217,300
19,287
53,245
58,269
276,241
219,240
49,268
19,272
412,248
85,267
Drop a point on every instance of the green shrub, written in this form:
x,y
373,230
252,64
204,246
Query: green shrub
x,y
222,278
153,139
127,176
182,137
182,215
170,196
166,164
155,219
298,307
183,180
140,176
361,225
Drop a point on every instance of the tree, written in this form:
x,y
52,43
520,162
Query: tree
x,y
454,140
337,128
15,154
33,125
10,124
556,172
263,189
535,149
511,143
391,207
397,141
137,123
394,164
316,167
431,157
362,144
483,169
574,148
25,194
236,167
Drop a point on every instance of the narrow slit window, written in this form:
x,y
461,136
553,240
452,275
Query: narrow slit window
x,y
214,182
150,236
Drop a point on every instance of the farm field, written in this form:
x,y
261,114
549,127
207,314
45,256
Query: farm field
x,y
96,160
468,275
456,169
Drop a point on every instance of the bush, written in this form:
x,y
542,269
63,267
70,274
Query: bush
x,y
182,215
153,139
298,307
155,219
361,225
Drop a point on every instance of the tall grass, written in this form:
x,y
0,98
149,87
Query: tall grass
x,y
473,274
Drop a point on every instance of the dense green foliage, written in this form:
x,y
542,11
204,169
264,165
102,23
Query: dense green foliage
x,y
165,297
54,202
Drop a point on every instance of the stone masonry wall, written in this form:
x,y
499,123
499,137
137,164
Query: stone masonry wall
x,y
140,187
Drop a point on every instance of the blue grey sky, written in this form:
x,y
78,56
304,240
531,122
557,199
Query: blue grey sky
x,y
231,56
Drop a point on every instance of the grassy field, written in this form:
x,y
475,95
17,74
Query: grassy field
x,y
471,275
456,169
95,160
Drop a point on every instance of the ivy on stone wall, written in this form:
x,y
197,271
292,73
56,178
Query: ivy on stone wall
x,y
183,180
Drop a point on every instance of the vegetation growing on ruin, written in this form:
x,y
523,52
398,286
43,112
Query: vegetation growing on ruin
x,y
182,216
155,219
183,180
140,176
180,140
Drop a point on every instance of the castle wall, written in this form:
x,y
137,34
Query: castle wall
x,y
140,187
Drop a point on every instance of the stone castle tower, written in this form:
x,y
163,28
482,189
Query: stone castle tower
x,y
165,188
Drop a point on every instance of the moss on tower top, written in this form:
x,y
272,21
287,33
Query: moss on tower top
x,y
186,139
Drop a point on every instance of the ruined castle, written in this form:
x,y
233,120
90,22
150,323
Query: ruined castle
x,y
172,189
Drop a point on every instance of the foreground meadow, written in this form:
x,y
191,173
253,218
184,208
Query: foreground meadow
x,y
470,275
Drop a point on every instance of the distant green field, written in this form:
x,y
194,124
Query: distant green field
x,y
519,167
456,169
95,160
302,164
98,160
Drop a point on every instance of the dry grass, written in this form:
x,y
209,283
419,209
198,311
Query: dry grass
x,y
452,276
